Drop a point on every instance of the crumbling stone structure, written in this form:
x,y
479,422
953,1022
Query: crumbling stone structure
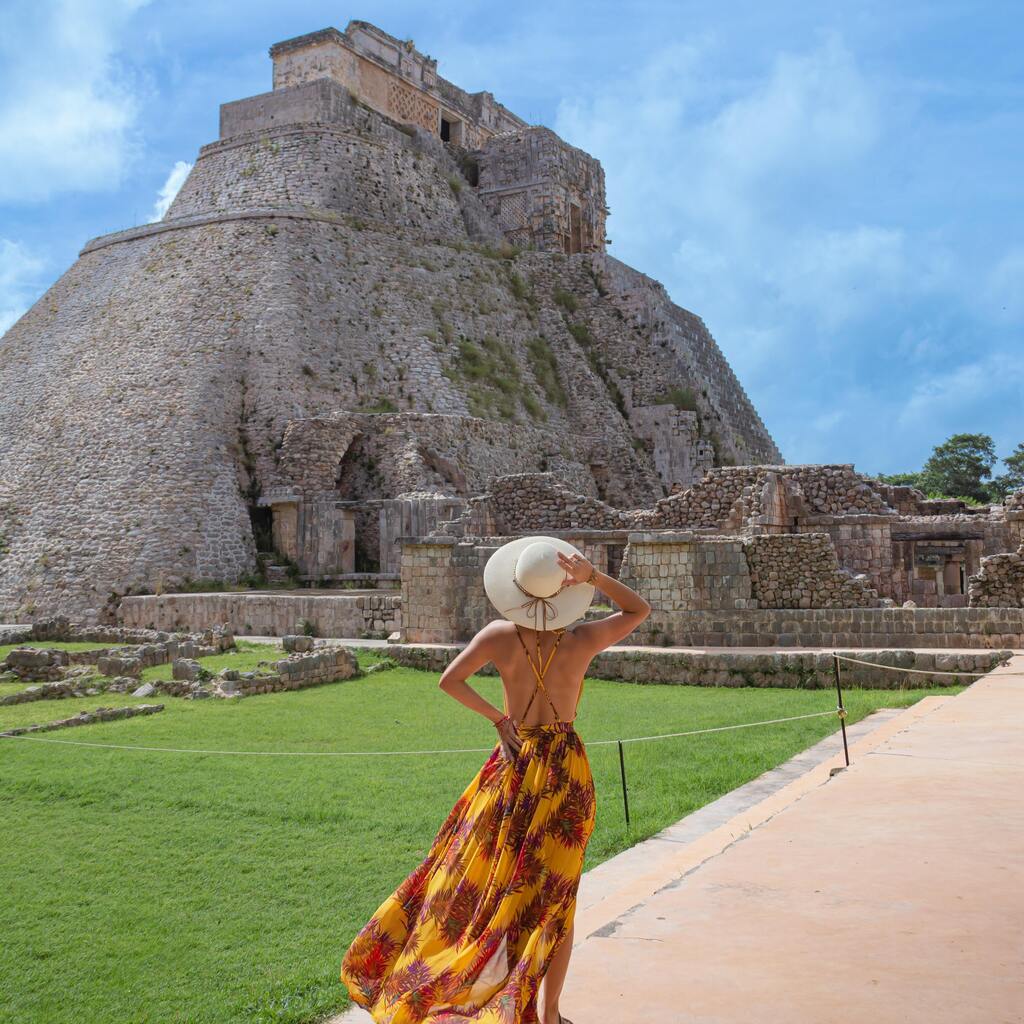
x,y
840,544
1000,581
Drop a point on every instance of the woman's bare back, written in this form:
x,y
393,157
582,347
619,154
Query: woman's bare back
x,y
566,659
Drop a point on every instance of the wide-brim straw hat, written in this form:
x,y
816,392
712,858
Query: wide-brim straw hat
x,y
524,581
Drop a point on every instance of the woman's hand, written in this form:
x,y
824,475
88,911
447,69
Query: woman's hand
x,y
577,569
510,739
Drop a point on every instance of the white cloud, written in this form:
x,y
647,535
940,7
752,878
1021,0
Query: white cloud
x,y
780,206
19,278
169,189
963,390
67,103
728,186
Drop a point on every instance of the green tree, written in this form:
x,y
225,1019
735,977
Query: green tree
x,y
959,467
1013,479
901,479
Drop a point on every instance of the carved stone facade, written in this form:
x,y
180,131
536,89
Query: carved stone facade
x,y
395,79
544,193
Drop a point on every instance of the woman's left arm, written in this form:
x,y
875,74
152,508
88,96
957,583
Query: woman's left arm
x,y
477,653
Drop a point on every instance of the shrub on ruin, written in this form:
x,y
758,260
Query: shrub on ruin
x,y
566,300
544,367
682,398
580,332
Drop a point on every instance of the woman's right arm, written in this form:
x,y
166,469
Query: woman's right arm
x,y
604,632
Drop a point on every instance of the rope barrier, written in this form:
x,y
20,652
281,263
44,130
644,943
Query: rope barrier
x,y
720,728
392,753
917,671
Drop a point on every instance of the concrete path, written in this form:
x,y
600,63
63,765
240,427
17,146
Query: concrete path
x,y
890,892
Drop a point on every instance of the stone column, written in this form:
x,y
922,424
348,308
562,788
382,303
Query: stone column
x,y
428,591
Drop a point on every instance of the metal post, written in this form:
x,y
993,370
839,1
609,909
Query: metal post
x,y
622,772
841,710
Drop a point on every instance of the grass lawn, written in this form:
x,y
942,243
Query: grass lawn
x,y
164,888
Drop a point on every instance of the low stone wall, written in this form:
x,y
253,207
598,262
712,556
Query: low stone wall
x,y
296,672
51,664
838,627
88,718
68,686
62,629
265,613
1000,583
14,634
797,669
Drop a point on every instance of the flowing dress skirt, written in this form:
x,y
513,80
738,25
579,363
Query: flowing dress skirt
x,y
469,935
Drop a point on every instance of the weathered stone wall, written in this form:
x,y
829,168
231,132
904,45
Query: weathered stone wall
x,y
450,454
681,456
802,571
770,497
61,628
443,590
803,670
535,503
1000,581
682,571
268,613
839,627
296,672
863,546
386,181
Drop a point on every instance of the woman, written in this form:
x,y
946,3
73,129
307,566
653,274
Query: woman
x,y
488,915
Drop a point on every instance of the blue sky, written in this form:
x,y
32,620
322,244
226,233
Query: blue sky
x,y
836,188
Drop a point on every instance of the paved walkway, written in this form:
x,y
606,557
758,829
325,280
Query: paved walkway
x,y
890,891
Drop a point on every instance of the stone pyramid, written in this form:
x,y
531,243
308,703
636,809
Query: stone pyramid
x,y
335,268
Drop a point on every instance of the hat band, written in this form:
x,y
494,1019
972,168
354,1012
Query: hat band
x,y
533,604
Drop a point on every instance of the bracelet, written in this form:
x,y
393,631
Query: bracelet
x,y
504,718
593,575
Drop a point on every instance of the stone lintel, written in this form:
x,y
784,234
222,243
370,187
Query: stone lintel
x,y
434,542
852,519
683,537
269,500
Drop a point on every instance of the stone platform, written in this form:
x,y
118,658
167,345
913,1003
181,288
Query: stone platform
x,y
342,613
756,666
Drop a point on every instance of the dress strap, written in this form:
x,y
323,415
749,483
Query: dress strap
x,y
539,670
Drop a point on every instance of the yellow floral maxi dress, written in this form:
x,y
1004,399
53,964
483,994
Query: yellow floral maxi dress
x,y
469,935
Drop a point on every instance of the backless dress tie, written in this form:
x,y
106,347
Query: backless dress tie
x,y
469,934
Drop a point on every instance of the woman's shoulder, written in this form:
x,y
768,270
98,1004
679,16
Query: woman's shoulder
x,y
495,628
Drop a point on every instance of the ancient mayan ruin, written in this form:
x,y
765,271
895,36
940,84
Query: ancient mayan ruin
x,y
376,332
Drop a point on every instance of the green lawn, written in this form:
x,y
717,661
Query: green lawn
x,y
168,888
